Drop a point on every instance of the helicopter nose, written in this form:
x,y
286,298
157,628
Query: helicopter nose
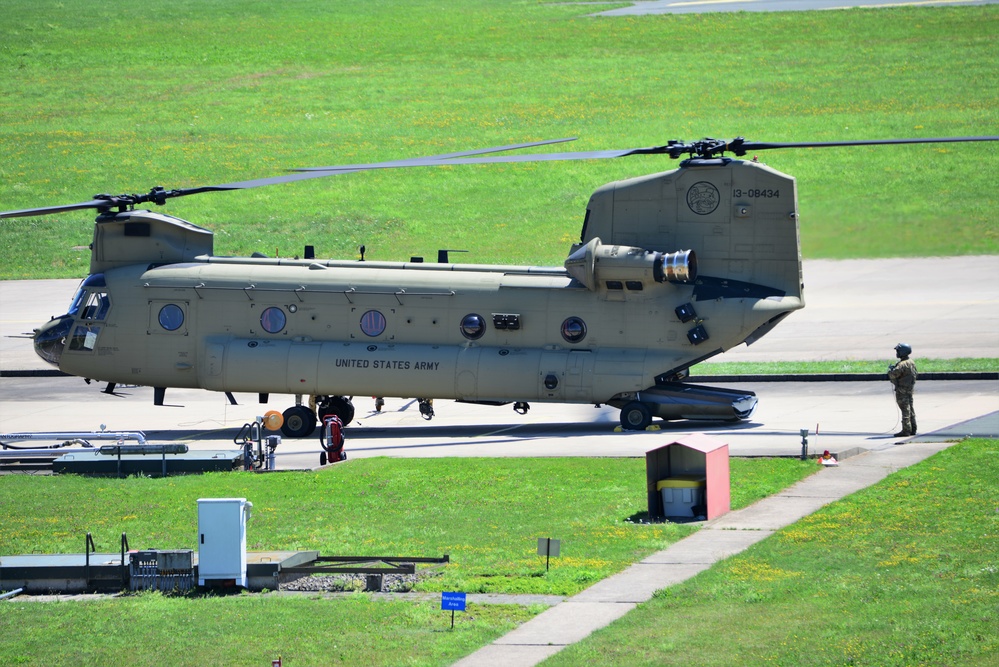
x,y
50,339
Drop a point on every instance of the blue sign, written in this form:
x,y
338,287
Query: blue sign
x,y
453,601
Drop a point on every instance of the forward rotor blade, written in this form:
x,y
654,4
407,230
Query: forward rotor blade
x,y
162,195
94,203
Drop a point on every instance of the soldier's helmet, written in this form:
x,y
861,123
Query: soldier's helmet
x,y
903,350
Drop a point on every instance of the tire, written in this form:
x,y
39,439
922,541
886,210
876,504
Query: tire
x,y
322,458
636,416
339,406
299,422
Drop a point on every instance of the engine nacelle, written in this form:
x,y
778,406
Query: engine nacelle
x,y
595,263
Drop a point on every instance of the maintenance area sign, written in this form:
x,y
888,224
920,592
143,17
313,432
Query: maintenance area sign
x,y
453,601
549,547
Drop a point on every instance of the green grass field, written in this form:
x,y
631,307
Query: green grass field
x,y
124,96
485,513
901,573
192,93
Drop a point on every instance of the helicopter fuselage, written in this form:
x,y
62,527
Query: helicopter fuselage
x,y
670,269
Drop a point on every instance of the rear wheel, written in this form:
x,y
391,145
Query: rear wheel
x,y
636,416
299,422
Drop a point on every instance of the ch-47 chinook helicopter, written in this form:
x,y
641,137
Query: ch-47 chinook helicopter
x,y
670,269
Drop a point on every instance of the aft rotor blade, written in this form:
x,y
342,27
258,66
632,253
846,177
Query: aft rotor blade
x,y
497,149
307,173
757,145
533,157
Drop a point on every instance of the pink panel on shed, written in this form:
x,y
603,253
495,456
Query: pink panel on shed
x,y
719,492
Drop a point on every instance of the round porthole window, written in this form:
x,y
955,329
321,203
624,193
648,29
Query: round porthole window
x,y
573,330
273,319
171,317
373,323
473,326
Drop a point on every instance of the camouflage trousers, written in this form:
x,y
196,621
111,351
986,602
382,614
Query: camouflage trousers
x,y
904,399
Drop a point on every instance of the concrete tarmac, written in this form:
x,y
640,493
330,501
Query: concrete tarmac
x,y
849,417
645,7
855,309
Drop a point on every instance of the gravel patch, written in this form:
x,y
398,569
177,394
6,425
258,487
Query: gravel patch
x,y
375,583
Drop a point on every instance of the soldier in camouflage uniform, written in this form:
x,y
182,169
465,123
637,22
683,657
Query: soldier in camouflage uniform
x,y
903,378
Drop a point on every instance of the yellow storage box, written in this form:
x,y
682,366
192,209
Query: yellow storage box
x,y
681,494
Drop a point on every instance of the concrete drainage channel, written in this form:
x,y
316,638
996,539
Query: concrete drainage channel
x,y
177,571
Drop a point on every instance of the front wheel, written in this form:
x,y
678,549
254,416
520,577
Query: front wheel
x,y
636,416
299,422
341,406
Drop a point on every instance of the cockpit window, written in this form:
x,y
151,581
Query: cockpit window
x,y
78,298
84,338
91,281
98,305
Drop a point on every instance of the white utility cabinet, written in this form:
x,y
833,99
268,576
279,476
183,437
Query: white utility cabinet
x,y
222,539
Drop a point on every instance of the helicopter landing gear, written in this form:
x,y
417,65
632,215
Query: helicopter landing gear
x,y
521,407
636,416
426,408
299,422
341,406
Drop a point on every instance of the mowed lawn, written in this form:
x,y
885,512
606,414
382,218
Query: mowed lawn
x,y
199,93
126,96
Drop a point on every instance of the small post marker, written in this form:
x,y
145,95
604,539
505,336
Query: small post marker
x,y
548,547
454,602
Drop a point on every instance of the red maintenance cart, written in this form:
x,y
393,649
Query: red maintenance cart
x,y
331,438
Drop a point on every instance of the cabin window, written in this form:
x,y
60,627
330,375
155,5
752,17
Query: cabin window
x,y
373,323
273,319
573,329
473,326
171,317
